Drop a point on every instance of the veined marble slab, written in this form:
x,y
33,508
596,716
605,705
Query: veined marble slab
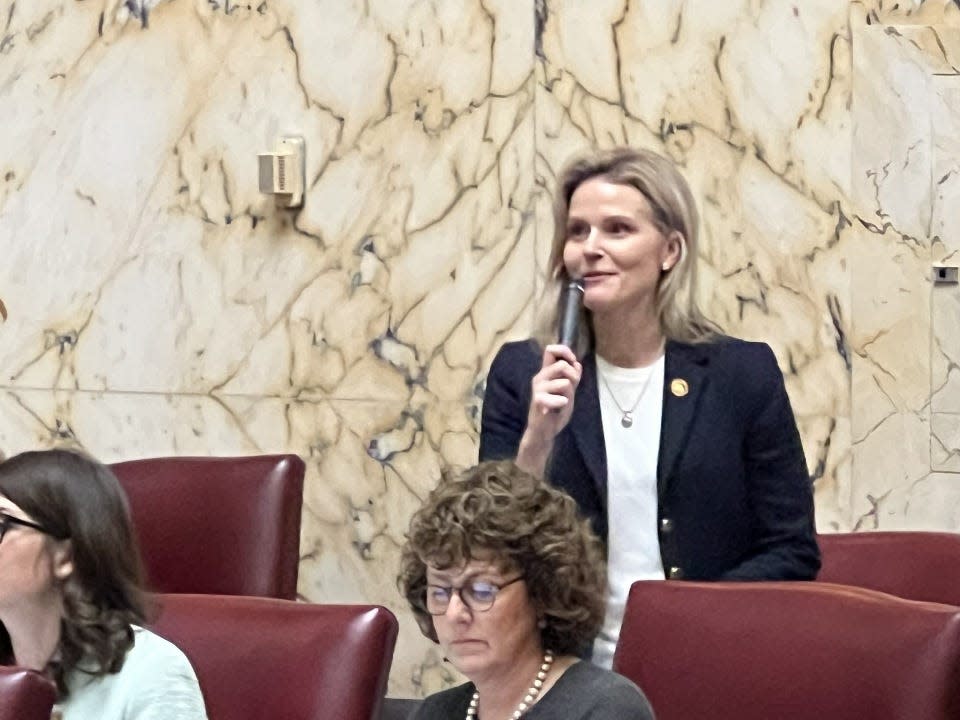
x,y
902,337
945,299
133,194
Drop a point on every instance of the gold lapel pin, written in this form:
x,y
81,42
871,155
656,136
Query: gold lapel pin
x,y
679,387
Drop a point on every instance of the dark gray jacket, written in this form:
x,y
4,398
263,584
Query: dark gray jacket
x,y
583,692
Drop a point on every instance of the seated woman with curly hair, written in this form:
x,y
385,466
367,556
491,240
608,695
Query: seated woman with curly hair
x,y
501,571
70,594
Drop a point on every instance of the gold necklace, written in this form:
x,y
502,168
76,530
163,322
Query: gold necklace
x,y
528,699
626,416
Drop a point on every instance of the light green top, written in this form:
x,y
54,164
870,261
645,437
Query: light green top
x,y
156,682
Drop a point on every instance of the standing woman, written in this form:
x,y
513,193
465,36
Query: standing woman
x,y
677,442
70,594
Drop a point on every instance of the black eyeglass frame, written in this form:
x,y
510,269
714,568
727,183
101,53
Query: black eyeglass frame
x,y
469,599
7,520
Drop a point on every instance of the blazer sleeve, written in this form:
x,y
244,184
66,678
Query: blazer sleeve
x,y
506,400
779,488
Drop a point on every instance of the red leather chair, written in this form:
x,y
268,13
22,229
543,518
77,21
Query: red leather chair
x,y
261,658
25,695
914,565
789,651
223,526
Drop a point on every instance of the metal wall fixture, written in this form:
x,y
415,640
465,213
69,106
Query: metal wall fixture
x,y
945,274
283,171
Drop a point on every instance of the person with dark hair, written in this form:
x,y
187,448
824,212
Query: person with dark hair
x,y
679,443
71,603
501,571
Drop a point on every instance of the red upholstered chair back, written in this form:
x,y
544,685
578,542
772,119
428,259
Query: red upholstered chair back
x,y
228,526
259,658
789,651
914,565
25,695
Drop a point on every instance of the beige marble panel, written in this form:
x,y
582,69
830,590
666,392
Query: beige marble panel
x,y
890,329
901,334
904,12
890,256
946,167
945,299
165,269
116,427
751,100
889,464
896,48
930,502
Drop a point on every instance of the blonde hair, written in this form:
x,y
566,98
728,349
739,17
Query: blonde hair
x,y
674,211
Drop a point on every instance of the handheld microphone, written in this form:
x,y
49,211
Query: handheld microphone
x,y
570,316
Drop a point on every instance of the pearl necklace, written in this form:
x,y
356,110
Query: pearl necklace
x,y
528,699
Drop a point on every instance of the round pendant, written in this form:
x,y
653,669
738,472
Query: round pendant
x,y
627,419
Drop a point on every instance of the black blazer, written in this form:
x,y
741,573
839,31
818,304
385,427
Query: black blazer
x,y
735,500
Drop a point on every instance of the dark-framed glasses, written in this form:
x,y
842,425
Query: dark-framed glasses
x,y
477,595
7,521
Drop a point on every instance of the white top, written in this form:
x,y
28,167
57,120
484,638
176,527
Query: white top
x,y
156,682
633,545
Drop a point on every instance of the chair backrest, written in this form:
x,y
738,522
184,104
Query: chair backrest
x,y
261,658
25,695
914,565
217,525
789,651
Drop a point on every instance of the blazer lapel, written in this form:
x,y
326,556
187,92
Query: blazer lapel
x,y
586,426
685,377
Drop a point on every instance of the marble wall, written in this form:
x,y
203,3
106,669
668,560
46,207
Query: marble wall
x,y
905,331
156,303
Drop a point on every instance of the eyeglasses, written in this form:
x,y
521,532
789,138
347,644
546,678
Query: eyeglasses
x,y
7,520
477,595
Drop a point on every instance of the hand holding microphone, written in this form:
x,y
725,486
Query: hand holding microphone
x,y
554,386
570,314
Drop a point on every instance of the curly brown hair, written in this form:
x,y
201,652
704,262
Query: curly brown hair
x,y
496,510
78,499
